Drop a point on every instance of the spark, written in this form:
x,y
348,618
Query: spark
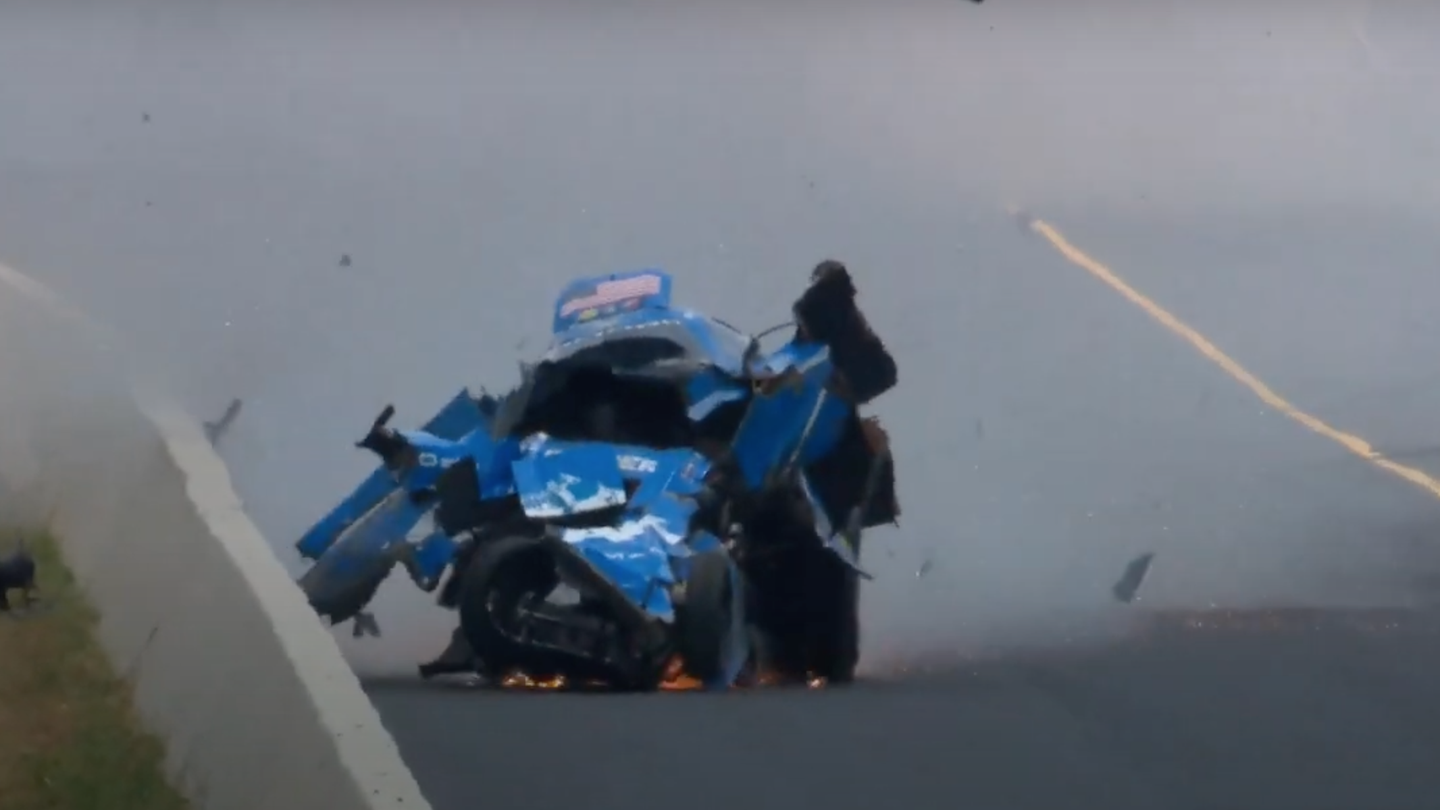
x,y
674,678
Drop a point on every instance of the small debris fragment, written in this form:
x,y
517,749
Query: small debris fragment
x,y
214,430
924,568
364,625
345,260
18,573
145,117
1128,588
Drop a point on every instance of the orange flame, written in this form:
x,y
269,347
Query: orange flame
x,y
674,679
520,680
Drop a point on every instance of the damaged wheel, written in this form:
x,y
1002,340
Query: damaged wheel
x,y
706,621
502,576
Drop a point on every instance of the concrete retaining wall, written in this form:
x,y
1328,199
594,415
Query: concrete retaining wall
x,y
259,709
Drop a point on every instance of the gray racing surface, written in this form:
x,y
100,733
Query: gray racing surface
x,y
322,211
1310,719
1144,443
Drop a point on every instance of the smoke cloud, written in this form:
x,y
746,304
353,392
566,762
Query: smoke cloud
x,y
194,176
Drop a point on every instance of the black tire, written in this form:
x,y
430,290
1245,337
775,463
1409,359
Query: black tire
x,y
817,632
501,574
834,642
704,622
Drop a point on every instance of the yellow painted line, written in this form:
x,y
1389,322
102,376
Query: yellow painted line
x,y
1267,395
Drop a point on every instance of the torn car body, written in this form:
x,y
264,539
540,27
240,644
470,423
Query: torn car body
x,y
658,489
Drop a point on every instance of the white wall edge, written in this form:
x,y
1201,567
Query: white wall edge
x,y
372,772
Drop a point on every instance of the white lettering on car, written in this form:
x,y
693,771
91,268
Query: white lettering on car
x,y
638,464
432,460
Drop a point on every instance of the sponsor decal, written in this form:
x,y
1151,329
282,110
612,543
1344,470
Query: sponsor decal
x,y
614,292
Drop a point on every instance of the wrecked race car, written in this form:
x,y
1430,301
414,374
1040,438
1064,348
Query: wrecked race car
x,y
659,493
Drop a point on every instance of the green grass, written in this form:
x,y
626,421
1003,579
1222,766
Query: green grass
x,y
69,739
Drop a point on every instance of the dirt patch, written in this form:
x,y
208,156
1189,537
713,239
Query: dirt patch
x,y
68,736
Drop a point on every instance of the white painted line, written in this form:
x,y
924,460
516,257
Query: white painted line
x,y
364,769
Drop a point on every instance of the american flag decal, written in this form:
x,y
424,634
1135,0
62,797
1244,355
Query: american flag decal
x,y
613,292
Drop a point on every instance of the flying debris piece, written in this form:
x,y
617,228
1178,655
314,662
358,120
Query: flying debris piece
x,y
214,430
364,625
1128,588
145,117
345,260
924,568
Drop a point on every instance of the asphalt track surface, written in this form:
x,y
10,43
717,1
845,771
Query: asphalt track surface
x,y
1258,708
1317,716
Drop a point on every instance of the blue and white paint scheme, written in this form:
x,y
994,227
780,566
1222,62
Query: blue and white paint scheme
x,y
626,511
375,500
702,339
558,480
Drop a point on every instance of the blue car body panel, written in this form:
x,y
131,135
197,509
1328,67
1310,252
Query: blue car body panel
x,y
834,538
361,556
636,552
563,480
433,554
795,421
459,417
710,389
